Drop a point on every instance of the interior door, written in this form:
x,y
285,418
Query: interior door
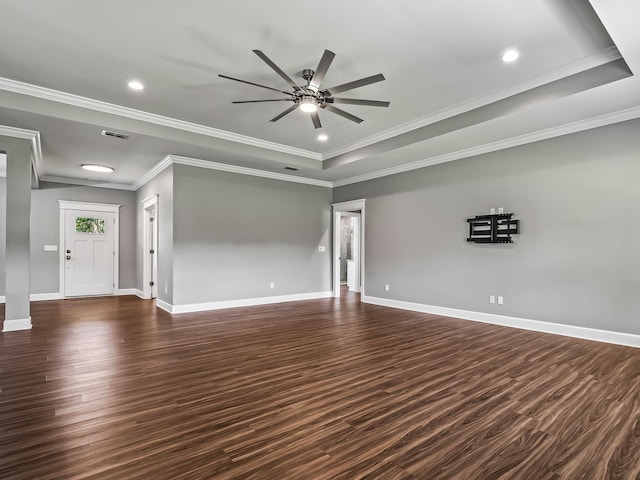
x,y
89,253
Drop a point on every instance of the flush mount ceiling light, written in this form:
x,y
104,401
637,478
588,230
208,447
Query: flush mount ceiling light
x,y
510,55
323,137
135,85
310,98
97,168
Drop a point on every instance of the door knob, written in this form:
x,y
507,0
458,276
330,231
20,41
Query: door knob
x,y
68,257
68,251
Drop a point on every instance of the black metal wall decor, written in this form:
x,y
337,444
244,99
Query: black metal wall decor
x,y
494,228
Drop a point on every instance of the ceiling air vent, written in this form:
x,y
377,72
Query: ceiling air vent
x,y
121,136
293,169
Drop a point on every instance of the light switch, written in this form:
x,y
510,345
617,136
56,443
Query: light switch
x,y
51,248
322,249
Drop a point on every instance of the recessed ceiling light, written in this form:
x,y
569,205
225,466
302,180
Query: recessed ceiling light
x,y
510,55
135,85
323,138
97,168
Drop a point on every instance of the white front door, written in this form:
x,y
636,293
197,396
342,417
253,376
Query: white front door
x,y
89,253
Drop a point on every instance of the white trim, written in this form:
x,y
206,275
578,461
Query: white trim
x,y
17,324
149,271
151,174
126,291
36,148
244,302
167,307
86,183
606,336
39,297
558,131
194,162
96,207
349,206
338,208
139,293
223,167
126,112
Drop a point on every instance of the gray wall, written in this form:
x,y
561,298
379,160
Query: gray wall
x,y
45,230
234,234
576,261
161,185
3,229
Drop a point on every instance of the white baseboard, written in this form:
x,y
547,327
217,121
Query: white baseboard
x,y
244,302
38,297
605,336
167,307
140,293
17,324
126,291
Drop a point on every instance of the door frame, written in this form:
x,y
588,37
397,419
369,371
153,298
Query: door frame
x,y
338,208
66,205
148,263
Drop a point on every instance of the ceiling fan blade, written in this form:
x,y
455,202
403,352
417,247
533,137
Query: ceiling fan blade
x,y
355,101
342,113
316,120
321,70
254,84
260,101
286,112
277,69
355,84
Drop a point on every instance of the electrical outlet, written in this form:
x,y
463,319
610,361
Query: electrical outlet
x,y
272,285
322,249
166,288
500,300
492,299
492,211
386,288
500,210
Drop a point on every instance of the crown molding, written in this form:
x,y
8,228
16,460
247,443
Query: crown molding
x,y
601,58
151,174
113,109
36,147
194,162
567,129
86,183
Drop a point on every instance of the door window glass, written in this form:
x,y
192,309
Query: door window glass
x,y
90,225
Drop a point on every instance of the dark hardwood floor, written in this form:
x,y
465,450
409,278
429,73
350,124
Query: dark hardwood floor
x,y
113,388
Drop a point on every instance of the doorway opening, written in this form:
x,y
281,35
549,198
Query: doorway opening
x,y
348,247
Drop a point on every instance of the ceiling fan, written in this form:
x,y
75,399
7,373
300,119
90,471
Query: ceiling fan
x,y
309,97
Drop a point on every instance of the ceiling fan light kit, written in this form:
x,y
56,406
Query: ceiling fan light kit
x,y
309,98
308,104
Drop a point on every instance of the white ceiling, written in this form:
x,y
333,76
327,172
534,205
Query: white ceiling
x,y
65,65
